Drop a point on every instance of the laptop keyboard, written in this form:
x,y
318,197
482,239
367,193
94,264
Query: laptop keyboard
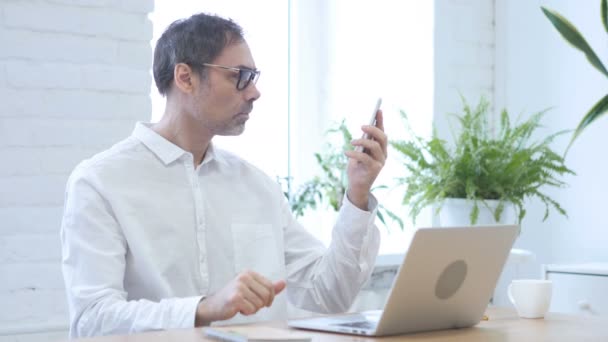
x,y
360,324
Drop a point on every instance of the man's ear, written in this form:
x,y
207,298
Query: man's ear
x,y
183,76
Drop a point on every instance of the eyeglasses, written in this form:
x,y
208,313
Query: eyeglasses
x,y
246,75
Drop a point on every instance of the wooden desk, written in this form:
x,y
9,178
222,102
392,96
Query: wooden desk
x,y
503,326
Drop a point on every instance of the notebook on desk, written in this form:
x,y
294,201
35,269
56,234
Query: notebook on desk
x,y
446,281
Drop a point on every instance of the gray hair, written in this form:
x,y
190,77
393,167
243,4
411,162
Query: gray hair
x,y
193,41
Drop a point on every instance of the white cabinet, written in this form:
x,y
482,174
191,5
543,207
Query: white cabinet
x,y
579,288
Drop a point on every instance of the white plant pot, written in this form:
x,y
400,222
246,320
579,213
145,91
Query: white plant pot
x,y
456,212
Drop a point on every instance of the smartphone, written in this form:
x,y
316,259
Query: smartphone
x,y
372,122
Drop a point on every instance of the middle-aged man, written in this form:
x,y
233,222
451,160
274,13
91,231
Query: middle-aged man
x,y
165,230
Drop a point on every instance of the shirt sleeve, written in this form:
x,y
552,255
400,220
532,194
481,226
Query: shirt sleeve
x,y
327,280
93,263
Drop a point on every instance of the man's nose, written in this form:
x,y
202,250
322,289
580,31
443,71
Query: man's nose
x,y
251,92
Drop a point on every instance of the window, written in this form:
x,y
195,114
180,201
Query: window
x,y
355,52
323,61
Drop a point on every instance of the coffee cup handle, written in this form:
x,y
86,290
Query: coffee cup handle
x,y
510,293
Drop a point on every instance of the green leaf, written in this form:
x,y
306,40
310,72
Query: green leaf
x,y
381,217
499,209
474,213
573,36
604,14
390,214
598,110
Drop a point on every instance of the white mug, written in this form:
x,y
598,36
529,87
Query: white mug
x,y
531,297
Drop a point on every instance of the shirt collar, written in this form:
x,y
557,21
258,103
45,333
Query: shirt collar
x,y
167,151
213,154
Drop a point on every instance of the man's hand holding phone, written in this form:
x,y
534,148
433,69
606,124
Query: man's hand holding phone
x,y
367,159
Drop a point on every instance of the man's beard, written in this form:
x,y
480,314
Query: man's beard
x,y
235,127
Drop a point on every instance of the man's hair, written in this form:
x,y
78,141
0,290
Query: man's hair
x,y
193,41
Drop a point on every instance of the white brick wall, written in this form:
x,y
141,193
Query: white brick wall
x,y
464,56
74,77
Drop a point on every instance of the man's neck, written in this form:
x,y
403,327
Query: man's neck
x,y
183,131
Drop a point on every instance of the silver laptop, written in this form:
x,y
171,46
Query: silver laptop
x,y
446,281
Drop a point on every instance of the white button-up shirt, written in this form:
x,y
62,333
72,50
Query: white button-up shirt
x,y
146,235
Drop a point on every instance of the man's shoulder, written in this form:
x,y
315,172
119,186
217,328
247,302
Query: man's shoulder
x,y
238,164
120,153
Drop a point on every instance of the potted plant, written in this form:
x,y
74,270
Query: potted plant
x,y
487,170
571,34
329,187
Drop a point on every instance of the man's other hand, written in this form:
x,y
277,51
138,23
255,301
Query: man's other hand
x,y
245,294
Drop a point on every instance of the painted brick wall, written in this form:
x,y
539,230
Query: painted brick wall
x,y
464,56
74,76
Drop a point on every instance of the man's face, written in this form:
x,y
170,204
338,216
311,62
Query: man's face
x,y
222,108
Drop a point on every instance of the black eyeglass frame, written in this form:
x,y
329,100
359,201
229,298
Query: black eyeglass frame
x,y
246,75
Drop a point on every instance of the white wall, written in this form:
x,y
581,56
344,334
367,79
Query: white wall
x,y
74,76
464,56
538,69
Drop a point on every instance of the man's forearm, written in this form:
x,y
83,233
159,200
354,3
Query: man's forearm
x,y
114,316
